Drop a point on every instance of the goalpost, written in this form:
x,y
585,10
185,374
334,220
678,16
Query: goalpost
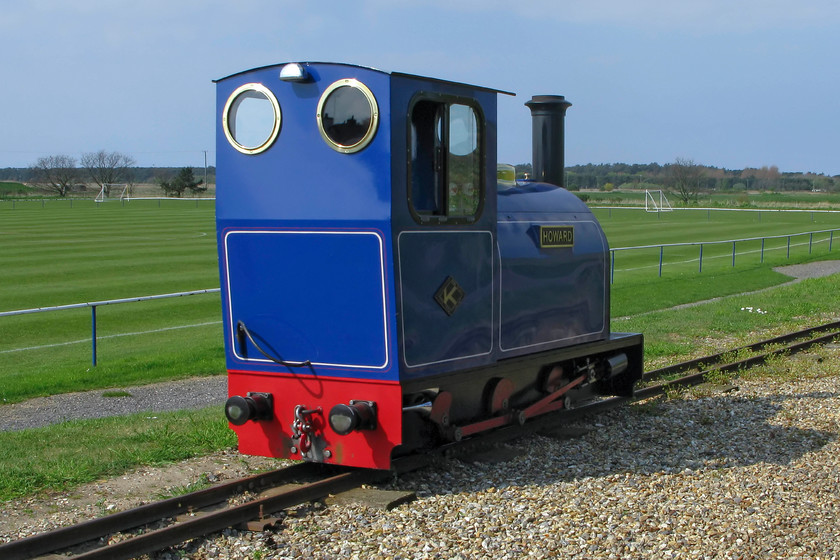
x,y
108,189
656,201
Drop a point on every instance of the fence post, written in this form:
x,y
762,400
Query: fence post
x,y
788,250
810,242
733,254
661,250
830,241
612,267
701,258
93,332
762,249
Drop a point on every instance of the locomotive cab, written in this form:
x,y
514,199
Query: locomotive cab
x,y
379,289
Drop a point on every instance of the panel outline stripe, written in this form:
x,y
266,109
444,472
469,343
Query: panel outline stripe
x,y
229,303
605,250
492,291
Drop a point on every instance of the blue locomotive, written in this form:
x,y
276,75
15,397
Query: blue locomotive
x,y
382,290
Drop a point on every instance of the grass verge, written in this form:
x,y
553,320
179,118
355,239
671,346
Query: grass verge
x,y
677,334
49,458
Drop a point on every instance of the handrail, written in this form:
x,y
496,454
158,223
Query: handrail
x,y
690,243
107,302
94,304
734,242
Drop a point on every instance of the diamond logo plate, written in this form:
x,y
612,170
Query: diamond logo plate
x,y
450,295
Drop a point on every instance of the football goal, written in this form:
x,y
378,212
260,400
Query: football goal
x,y
656,201
109,191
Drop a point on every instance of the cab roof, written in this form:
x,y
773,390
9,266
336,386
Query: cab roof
x,y
398,74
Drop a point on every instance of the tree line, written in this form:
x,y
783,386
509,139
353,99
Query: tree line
x,y
62,174
687,179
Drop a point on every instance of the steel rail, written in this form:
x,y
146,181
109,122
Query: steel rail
x,y
216,521
204,522
755,347
752,361
66,537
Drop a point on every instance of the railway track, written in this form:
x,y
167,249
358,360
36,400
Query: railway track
x,y
206,511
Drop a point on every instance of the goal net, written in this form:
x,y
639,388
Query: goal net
x,y
656,201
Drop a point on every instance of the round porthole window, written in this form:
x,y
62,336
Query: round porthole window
x,y
251,119
347,116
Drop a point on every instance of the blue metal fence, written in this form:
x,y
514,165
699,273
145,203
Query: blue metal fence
x,y
93,305
734,242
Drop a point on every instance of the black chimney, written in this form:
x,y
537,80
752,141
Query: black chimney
x,y
547,115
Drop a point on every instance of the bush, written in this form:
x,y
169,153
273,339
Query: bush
x,y
8,188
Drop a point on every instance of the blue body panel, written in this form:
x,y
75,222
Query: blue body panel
x,y
550,297
303,234
300,178
308,317
430,338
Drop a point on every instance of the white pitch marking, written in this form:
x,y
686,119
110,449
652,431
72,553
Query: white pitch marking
x,y
109,336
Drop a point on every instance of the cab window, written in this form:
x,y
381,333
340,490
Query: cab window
x,y
445,179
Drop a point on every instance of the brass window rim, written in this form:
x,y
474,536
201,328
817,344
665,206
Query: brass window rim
x,y
275,130
374,116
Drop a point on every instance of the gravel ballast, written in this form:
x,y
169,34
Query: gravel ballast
x,y
158,397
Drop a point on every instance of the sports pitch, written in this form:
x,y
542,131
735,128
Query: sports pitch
x,y
52,253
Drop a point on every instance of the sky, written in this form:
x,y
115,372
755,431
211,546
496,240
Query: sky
x,y
725,83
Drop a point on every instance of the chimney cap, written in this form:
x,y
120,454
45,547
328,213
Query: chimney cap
x,y
547,100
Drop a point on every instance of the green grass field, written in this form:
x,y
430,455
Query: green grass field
x,y
732,199
48,458
12,188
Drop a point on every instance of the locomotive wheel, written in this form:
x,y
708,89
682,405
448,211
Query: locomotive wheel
x,y
553,379
497,394
440,409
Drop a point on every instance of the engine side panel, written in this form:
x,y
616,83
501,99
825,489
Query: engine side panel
x,y
554,262
446,280
550,296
